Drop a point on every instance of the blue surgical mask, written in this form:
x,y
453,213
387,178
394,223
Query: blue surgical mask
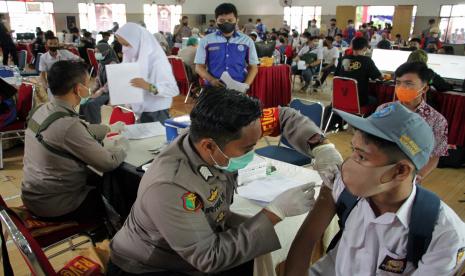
x,y
99,56
235,163
84,100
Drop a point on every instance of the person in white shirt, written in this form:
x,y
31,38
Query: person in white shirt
x,y
388,149
53,55
330,57
312,55
156,79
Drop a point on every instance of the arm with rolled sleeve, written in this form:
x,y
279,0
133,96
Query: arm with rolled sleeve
x,y
191,236
81,144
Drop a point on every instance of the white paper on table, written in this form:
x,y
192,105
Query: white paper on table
x,y
301,65
119,77
145,130
233,84
268,188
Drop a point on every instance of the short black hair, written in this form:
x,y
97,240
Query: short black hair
x,y
338,34
225,8
390,149
359,43
51,38
415,39
184,17
419,68
254,35
64,75
250,20
333,19
212,20
307,35
350,21
220,114
432,21
329,38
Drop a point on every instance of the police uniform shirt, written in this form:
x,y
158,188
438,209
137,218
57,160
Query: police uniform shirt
x,y
55,185
232,55
373,245
181,219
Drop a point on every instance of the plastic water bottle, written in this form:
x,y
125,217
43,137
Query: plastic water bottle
x,y
17,76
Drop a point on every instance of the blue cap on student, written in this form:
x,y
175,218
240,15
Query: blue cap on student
x,y
397,124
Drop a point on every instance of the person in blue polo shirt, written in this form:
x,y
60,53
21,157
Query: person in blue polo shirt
x,y
226,50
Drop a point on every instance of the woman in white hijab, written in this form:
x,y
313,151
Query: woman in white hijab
x,y
157,78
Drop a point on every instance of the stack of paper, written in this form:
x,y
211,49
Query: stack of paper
x,y
119,83
233,84
146,130
268,188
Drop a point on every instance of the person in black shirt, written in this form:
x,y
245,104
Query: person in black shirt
x,y
361,68
38,46
118,48
105,37
7,44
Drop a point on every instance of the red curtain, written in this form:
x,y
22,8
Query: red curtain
x,y
272,86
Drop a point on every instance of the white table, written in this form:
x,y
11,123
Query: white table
x,y
286,230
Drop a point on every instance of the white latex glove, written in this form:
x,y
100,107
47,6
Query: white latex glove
x,y
328,175
117,127
117,141
294,202
326,157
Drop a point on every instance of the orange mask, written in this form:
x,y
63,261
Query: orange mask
x,y
407,95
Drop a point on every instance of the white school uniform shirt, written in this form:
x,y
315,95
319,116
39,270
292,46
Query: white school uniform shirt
x,y
46,60
154,65
369,242
330,54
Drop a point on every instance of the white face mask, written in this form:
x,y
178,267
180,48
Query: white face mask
x,y
99,56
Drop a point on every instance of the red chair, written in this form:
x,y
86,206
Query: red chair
x,y
92,60
180,74
174,51
15,130
345,98
121,114
33,254
74,50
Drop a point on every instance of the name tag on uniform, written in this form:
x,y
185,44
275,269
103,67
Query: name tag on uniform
x,y
393,265
214,48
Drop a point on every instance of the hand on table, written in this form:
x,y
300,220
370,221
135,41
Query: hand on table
x,y
140,83
293,202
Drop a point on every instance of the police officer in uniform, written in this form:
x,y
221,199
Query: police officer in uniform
x,y
181,223
58,148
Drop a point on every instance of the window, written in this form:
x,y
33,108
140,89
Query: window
x,y
100,17
380,15
26,16
161,17
298,17
452,24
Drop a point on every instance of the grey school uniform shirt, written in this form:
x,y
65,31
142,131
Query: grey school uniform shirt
x,y
54,185
181,220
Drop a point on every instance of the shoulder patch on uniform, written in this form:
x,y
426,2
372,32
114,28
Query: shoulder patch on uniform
x,y
460,255
191,202
220,217
393,265
213,194
205,172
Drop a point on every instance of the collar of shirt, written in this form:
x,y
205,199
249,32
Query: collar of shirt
x,y
64,104
219,33
421,107
403,214
197,162
58,56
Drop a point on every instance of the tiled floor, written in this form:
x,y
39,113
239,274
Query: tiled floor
x,y
449,184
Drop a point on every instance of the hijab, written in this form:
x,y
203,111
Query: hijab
x,y
109,57
144,49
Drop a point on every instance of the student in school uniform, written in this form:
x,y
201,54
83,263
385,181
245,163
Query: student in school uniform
x,y
389,225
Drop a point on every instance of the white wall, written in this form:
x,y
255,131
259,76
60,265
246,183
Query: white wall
x,y
261,7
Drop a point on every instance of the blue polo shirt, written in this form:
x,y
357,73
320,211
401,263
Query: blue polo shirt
x,y
221,54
